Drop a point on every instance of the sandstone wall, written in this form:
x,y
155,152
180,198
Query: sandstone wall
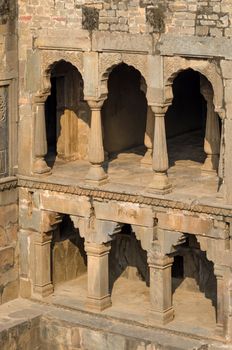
x,y
8,245
200,17
8,153
23,335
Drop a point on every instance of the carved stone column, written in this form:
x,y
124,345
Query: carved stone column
x,y
146,161
98,275
42,264
160,266
219,273
160,183
221,166
96,175
212,132
40,138
229,324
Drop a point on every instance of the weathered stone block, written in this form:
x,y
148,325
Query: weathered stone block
x,y
65,203
124,212
6,258
10,291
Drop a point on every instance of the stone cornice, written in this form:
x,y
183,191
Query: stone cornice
x,y
161,203
8,183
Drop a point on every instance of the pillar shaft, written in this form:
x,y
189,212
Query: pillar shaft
x,y
161,289
42,254
96,174
160,165
229,325
212,133
98,276
146,161
221,165
40,140
220,315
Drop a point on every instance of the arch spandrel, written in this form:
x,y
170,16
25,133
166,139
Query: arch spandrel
x,y
174,65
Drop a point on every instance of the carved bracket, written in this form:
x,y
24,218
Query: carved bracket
x,y
170,240
94,230
145,235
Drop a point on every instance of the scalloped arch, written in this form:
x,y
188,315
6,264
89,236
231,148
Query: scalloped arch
x,y
49,58
174,65
108,62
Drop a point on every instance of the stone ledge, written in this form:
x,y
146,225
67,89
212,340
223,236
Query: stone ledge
x,y
102,194
51,320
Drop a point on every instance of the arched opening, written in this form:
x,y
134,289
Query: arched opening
x,y
124,112
186,119
194,286
189,123
67,115
128,273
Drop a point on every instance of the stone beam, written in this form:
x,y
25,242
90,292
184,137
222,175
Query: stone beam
x,y
65,203
128,213
193,224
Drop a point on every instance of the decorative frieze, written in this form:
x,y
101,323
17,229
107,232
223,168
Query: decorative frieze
x,y
124,197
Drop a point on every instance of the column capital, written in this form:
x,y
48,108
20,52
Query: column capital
x,y
40,99
95,105
96,249
219,271
158,260
159,110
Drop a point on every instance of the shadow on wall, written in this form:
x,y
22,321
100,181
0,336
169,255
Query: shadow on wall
x,y
69,259
127,258
185,119
193,271
67,115
124,112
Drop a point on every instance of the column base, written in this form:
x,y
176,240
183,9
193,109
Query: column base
x,y
43,291
99,304
210,165
161,318
146,161
160,184
40,167
96,176
25,287
219,330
